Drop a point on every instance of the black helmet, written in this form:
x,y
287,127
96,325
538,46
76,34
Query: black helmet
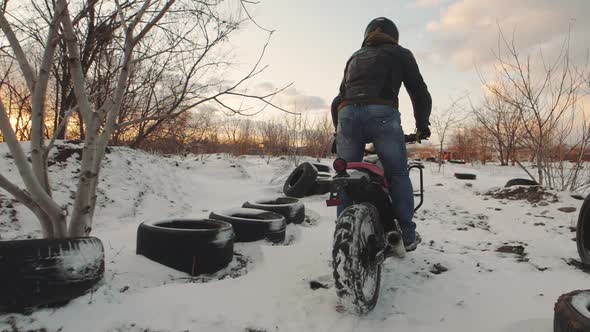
x,y
385,25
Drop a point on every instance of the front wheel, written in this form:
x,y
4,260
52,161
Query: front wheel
x,y
358,239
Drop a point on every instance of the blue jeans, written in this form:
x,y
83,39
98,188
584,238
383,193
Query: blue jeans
x,y
381,125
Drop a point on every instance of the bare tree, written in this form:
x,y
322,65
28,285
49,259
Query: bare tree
x,y
132,42
18,104
545,94
443,123
270,132
317,138
501,121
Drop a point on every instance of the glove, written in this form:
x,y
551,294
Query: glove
x,y
423,133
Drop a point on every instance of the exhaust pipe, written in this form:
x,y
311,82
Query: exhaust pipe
x,y
395,243
393,238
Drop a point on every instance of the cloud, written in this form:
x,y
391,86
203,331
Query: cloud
x,y
265,86
292,98
424,3
467,31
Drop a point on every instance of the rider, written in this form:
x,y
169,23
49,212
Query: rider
x,y
367,111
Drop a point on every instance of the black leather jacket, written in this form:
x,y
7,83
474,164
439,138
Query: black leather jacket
x,y
374,75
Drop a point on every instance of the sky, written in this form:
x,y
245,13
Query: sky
x,y
313,39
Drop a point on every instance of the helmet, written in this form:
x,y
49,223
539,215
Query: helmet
x,y
385,25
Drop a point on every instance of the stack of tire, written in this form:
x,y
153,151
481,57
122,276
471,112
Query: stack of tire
x,y
308,179
572,310
205,246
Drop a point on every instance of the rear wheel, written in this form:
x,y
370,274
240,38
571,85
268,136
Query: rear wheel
x,y
357,273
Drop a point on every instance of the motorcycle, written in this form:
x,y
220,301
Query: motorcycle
x,y
366,232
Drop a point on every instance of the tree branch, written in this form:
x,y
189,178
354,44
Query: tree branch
x,y
19,54
27,201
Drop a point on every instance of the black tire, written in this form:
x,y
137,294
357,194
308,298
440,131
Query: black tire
x,y
465,176
253,224
300,181
358,230
192,246
48,271
289,207
521,182
583,232
322,168
571,312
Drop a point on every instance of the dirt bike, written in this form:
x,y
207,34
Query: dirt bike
x,y
366,232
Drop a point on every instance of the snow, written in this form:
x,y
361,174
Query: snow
x,y
581,302
267,287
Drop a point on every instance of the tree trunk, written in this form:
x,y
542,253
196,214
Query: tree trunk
x,y
81,218
540,164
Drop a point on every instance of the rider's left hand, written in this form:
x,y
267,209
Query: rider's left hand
x,y
423,133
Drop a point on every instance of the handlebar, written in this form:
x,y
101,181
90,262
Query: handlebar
x,y
411,138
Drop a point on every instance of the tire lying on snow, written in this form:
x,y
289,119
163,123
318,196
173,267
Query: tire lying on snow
x,y
521,182
290,208
48,271
583,232
194,246
253,224
465,176
571,312
300,181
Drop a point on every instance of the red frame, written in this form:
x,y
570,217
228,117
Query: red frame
x,y
371,168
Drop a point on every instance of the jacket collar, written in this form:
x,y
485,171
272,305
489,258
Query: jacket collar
x,y
378,38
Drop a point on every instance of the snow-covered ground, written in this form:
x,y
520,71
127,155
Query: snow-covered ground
x,y
267,287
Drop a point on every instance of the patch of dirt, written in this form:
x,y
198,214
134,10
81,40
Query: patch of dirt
x,y
250,329
237,268
533,194
7,209
512,249
568,209
438,268
64,152
315,285
578,265
135,328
